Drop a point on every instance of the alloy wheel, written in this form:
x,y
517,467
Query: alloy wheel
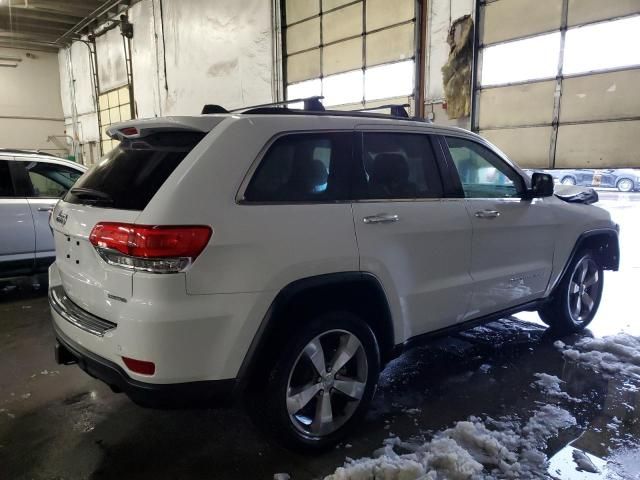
x,y
625,185
568,181
584,289
326,383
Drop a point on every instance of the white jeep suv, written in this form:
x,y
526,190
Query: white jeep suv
x,y
293,253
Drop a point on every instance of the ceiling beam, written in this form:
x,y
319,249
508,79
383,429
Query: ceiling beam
x,y
31,14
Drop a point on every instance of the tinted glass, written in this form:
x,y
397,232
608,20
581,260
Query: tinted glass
x,y
49,180
6,187
131,174
398,165
483,174
303,168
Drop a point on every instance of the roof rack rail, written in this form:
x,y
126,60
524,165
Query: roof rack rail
x,y
397,109
311,104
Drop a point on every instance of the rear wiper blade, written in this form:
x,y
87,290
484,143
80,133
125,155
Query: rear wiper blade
x,y
90,193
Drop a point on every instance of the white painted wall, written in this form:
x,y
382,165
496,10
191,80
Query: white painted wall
x,y
216,51
441,15
30,106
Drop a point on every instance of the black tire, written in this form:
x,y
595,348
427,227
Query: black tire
x,y
568,181
275,409
560,312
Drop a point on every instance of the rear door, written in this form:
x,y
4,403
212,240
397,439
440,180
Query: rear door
x,y
17,237
417,243
513,238
46,183
116,189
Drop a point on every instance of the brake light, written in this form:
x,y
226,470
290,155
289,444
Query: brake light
x,y
157,249
129,131
139,366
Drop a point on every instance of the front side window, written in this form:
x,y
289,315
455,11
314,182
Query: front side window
x,y
49,180
303,168
397,166
483,174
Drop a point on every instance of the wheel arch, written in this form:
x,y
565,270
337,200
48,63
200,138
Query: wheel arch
x,y
603,242
357,292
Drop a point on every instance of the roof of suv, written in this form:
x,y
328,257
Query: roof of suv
x,y
206,122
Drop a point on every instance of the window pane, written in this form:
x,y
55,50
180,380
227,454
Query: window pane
x,y
602,46
483,174
392,80
303,168
134,170
6,186
521,60
398,165
342,88
49,180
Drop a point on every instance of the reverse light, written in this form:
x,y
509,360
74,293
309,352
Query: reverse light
x,y
155,249
139,366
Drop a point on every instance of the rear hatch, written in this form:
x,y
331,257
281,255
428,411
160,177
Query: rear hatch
x,y
115,190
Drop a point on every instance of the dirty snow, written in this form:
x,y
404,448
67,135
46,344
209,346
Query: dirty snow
x,y
471,449
550,384
615,354
583,462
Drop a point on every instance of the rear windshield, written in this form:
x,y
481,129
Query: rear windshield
x,y
131,174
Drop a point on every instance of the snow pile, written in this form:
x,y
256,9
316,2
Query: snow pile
x,y
583,462
470,449
550,384
614,354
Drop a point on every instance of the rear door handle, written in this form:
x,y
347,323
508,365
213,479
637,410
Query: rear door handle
x,y
487,214
45,209
381,218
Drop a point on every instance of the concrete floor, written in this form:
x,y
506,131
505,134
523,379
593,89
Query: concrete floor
x,y
58,423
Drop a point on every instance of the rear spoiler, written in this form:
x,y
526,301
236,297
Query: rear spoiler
x,y
142,127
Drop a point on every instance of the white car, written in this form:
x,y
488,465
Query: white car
x,y
30,185
286,256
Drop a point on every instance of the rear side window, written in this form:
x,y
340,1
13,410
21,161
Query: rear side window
x,y
50,180
131,174
397,166
6,186
303,168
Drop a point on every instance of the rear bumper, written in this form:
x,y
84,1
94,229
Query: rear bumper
x,y
173,395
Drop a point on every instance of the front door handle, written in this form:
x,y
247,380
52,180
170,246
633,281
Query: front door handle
x,y
381,218
45,209
487,214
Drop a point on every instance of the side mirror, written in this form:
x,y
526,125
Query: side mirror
x,y
541,185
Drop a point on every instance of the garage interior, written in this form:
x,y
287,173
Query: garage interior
x,y
552,83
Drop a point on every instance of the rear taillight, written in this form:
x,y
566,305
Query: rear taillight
x,y
156,249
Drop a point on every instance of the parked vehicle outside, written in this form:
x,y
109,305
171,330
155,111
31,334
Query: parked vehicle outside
x,y
30,185
284,258
623,179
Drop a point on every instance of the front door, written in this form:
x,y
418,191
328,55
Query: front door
x,y
513,238
416,242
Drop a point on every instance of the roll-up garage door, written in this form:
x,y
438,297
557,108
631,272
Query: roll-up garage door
x,y
355,53
556,81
